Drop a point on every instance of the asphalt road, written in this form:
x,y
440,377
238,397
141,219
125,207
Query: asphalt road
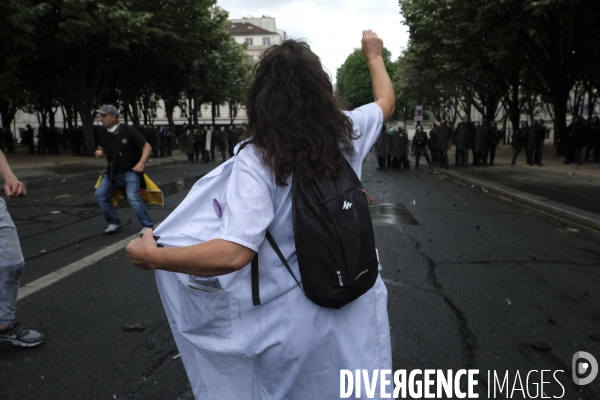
x,y
473,281
574,190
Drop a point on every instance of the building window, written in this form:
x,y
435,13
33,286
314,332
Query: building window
x,y
249,41
266,41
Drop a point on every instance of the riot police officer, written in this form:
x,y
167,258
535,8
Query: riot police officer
x,y
420,146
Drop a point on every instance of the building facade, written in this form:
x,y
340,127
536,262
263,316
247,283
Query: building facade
x,y
257,33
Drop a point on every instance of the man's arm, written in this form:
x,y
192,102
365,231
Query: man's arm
x,y
372,48
147,149
12,186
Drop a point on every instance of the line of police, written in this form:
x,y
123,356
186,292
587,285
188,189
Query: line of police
x,y
483,139
583,134
201,140
51,138
163,141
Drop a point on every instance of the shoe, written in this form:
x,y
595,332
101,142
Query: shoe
x,y
20,336
141,233
112,228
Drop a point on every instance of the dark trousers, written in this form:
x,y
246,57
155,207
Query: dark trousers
x,y
231,144
381,163
537,157
578,151
492,155
434,157
223,149
462,157
421,151
441,158
190,157
517,150
529,153
401,163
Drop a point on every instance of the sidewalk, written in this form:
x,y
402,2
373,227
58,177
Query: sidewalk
x,y
35,169
570,191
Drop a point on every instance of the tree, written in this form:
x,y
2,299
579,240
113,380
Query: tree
x,y
17,22
497,48
353,79
125,46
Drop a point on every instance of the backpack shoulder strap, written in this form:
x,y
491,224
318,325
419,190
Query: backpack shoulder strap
x,y
282,258
246,143
254,270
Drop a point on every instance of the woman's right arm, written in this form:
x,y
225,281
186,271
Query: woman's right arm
x,y
372,48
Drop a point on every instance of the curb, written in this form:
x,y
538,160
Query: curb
x,y
569,213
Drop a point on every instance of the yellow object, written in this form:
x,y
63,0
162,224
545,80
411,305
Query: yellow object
x,y
149,192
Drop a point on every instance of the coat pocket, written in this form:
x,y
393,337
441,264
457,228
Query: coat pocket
x,y
205,313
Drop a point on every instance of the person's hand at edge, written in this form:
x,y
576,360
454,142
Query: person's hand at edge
x,y
371,45
140,250
14,188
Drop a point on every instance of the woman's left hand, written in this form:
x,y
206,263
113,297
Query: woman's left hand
x,y
140,250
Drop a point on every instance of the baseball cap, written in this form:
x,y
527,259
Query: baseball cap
x,y
108,109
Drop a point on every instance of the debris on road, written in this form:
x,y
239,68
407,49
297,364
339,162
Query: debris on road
x,y
595,336
55,212
541,346
136,326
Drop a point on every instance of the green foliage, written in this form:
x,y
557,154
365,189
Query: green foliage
x,y
353,78
495,51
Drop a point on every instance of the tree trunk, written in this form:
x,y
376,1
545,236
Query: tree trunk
x,y
233,111
214,112
62,110
195,109
560,124
87,121
135,115
514,111
8,111
170,109
468,106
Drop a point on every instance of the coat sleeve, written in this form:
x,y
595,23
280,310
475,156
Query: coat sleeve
x,y
367,121
249,210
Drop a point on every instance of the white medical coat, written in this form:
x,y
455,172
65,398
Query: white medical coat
x,y
288,347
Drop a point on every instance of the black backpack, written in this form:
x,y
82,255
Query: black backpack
x,y
334,238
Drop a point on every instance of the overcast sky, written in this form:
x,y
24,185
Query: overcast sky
x,y
333,28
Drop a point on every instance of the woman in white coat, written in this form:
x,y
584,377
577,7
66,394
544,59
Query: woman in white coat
x,y
288,347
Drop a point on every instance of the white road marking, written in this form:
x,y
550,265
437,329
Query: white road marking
x,y
57,275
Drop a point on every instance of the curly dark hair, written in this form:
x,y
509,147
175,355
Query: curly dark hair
x,y
293,117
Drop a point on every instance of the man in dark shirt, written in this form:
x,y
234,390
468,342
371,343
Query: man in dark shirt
x,y
126,152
